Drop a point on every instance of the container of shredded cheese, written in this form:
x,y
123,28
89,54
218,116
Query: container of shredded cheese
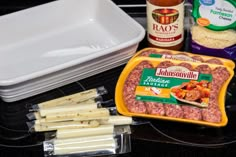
x,y
174,90
214,32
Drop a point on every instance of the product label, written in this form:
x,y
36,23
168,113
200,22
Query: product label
x,y
174,85
215,14
165,25
174,57
207,2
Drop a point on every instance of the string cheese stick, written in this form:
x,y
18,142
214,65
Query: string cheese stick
x,y
36,115
66,103
117,120
65,125
40,121
61,142
78,97
70,133
109,145
100,113
89,101
67,108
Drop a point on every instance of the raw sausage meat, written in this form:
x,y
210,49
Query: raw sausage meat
x,y
134,76
136,106
182,53
165,64
155,108
147,53
165,52
220,74
172,110
211,114
204,68
192,113
198,58
214,61
186,65
132,81
143,65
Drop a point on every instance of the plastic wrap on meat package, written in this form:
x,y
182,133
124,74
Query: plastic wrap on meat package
x,y
117,142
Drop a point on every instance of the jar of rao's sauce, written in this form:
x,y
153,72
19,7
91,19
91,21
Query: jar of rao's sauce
x,y
165,23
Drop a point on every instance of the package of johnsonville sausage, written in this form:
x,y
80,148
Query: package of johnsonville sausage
x,y
183,56
183,91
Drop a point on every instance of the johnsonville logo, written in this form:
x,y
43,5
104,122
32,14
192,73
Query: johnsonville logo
x,y
165,16
177,72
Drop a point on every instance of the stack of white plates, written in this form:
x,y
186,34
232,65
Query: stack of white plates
x,y
57,43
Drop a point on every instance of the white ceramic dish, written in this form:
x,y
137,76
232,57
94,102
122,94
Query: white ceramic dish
x,y
59,79
68,80
26,88
48,38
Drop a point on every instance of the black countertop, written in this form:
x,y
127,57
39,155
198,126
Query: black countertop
x,y
156,138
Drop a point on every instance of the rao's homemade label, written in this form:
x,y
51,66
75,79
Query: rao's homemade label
x,y
174,85
165,24
215,14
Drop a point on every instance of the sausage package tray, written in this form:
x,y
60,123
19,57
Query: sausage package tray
x,y
175,89
61,42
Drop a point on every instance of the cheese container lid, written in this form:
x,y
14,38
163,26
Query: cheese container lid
x,y
189,92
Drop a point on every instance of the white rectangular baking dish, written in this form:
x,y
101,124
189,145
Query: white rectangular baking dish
x,y
61,34
98,64
60,79
48,87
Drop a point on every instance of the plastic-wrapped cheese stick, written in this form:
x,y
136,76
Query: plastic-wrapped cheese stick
x,y
89,101
36,115
78,97
67,108
88,146
61,142
98,113
65,125
117,120
71,133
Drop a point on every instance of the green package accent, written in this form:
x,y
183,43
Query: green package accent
x,y
150,79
